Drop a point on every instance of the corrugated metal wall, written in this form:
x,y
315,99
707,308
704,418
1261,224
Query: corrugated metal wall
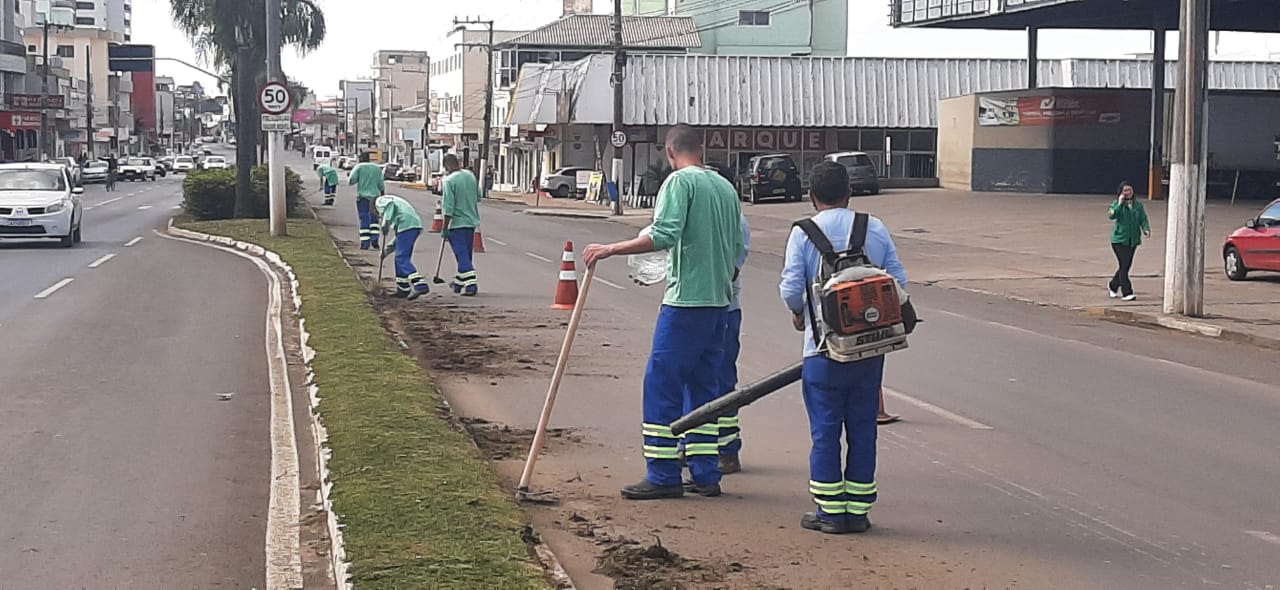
x,y
746,91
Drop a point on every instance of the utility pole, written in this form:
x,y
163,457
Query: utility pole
x,y
485,160
275,139
619,65
1184,244
88,109
46,145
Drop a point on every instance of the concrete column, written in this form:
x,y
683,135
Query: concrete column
x,y
1184,246
1155,179
1033,57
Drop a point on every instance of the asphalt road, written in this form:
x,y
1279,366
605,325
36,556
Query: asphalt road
x,y
122,467
1041,448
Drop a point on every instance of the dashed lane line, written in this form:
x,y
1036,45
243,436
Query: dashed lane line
x,y
498,242
935,410
130,243
537,257
106,202
143,207
101,261
54,288
1265,536
611,284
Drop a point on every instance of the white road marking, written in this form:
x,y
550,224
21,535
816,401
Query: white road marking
x,y
283,552
58,285
179,206
536,257
143,207
1265,536
130,243
106,202
946,414
498,242
101,261
611,284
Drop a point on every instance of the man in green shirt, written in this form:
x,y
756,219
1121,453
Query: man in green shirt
x,y
329,178
402,222
697,219
461,208
367,177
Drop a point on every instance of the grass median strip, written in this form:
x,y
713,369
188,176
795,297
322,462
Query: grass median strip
x,y
419,506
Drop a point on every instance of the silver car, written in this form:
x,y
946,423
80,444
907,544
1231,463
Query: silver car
x,y
39,201
95,171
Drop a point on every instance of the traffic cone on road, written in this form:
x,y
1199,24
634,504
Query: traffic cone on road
x,y
477,242
437,220
567,287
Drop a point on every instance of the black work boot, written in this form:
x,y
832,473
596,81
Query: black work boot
x,y
706,491
830,525
729,463
644,490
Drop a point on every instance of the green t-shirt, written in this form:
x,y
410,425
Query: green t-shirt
x,y
329,174
461,200
698,218
397,214
367,177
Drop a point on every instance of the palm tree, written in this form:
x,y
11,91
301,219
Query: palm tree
x,y
232,36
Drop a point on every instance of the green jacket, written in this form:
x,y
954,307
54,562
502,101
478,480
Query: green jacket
x,y
328,174
1130,223
367,177
461,200
397,214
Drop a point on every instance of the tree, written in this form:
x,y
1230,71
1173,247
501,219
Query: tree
x,y
232,35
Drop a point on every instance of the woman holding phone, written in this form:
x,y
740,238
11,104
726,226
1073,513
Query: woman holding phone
x,y
1131,225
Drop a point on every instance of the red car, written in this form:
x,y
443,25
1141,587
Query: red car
x,y
1256,246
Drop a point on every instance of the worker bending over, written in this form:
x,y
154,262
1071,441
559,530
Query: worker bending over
x,y
329,180
402,222
367,177
461,208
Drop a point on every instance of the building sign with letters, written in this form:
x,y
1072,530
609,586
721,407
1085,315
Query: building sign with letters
x,y
1040,111
765,139
32,101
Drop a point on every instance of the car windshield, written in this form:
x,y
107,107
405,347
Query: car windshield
x,y
32,180
772,163
137,162
215,160
183,159
1271,216
854,161
96,164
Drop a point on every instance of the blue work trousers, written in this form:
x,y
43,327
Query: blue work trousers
x,y
842,399
407,277
730,431
462,242
369,230
682,374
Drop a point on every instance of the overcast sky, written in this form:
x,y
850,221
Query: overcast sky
x,y
358,28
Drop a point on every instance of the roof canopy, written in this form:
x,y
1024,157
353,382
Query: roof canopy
x,y
1259,16
595,31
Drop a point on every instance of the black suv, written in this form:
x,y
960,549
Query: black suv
x,y
773,176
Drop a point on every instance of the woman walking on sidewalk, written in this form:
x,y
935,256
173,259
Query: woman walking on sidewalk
x,y
1131,225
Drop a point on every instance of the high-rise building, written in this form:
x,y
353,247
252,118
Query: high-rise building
x,y
115,16
759,27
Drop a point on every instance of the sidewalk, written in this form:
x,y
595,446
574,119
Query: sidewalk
x,y
548,206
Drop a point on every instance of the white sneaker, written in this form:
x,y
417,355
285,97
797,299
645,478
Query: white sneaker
x,y
1113,294
1129,297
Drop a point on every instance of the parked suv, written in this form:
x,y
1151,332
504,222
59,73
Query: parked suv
x,y
773,176
862,171
1256,246
563,182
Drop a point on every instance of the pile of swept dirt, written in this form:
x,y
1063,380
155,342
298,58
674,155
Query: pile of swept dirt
x,y
500,442
635,566
474,340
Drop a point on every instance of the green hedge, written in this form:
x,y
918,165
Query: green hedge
x,y
211,194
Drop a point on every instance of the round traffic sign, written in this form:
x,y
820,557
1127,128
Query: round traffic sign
x,y
618,139
274,98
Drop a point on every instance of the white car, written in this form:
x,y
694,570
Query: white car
x,y
215,163
184,164
39,201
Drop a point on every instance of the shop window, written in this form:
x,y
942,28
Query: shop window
x,y
85,21
847,141
923,141
899,141
753,18
872,140
66,51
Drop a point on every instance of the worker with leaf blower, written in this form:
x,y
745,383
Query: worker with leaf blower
x,y
461,208
329,179
367,177
401,221
832,261
697,220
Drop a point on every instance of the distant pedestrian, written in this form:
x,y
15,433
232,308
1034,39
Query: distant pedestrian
x,y
1131,225
329,178
402,224
841,398
367,177
697,219
460,205
113,168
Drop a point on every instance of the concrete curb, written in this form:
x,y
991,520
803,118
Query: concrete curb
x,y
1182,324
339,565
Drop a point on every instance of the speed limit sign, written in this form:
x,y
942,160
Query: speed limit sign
x,y
274,98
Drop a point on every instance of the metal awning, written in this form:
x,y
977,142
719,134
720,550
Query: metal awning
x,y
1258,16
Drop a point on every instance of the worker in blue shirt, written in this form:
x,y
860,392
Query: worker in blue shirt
x,y
841,398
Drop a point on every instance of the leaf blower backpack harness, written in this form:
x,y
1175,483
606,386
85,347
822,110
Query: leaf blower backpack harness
x,y
864,312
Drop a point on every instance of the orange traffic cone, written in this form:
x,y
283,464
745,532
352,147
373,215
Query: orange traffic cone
x,y
437,220
567,288
477,242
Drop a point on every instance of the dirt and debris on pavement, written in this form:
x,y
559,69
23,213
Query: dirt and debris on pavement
x,y
477,341
500,442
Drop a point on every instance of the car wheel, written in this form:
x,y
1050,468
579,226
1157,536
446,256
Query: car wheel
x,y
77,238
753,197
1233,265
68,240
875,190
560,192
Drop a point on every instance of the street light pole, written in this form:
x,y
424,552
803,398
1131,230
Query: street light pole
x,y
619,65
1184,242
485,160
46,146
275,139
